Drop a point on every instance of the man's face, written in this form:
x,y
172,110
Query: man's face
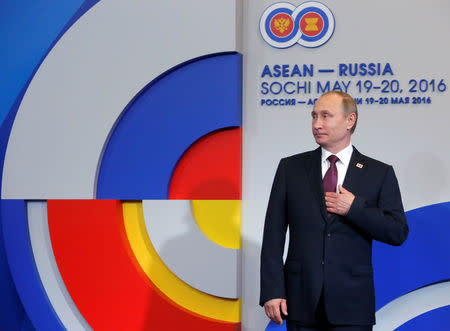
x,y
330,125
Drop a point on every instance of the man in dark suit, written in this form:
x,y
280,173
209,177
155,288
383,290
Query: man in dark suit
x,y
335,201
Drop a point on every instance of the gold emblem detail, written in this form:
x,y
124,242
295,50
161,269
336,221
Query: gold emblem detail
x,y
281,24
311,24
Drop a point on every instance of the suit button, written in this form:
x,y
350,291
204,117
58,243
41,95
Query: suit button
x,y
329,235
323,262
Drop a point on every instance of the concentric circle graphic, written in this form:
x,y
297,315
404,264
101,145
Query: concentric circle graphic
x,y
311,24
274,25
316,23
113,276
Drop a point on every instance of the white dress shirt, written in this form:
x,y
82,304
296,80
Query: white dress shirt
x,y
341,165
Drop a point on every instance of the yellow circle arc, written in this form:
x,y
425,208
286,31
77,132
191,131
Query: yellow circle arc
x,y
219,220
178,291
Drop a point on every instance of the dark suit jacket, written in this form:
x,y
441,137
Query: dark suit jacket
x,y
334,252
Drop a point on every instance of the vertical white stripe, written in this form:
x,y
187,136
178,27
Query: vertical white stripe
x,y
48,270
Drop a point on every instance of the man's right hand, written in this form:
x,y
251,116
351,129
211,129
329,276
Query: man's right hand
x,y
272,308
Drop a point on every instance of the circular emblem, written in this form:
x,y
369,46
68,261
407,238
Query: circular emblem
x,y
316,22
310,24
277,25
281,25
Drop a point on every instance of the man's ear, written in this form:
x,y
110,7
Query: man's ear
x,y
351,120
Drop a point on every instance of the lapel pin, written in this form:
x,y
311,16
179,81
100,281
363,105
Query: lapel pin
x,y
359,165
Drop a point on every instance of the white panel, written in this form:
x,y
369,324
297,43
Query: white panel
x,y
89,77
415,303
187,252
48,270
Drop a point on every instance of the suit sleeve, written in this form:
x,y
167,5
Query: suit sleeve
x,y
384,220
272,275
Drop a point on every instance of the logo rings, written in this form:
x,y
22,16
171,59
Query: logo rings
x,y
311,24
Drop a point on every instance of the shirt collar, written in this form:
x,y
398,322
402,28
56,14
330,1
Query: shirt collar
x,y
344,155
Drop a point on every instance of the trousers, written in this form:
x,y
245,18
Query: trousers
x,y
322,323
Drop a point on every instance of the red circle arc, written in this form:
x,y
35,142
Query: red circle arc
x,y
210,168
104,278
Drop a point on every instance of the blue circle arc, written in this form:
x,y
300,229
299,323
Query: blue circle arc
x,y
163,120
419,261
437,320
23,267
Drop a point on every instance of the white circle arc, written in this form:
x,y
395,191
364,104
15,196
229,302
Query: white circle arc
x,y
412,304
188,253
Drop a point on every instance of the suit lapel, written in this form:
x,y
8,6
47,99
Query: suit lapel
x,y
356,168
314,170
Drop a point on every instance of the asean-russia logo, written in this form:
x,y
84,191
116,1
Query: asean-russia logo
x,y
310,24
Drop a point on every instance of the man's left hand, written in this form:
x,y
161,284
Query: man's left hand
x,y
339,203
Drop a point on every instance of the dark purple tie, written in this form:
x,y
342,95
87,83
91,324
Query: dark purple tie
x,y
330,178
